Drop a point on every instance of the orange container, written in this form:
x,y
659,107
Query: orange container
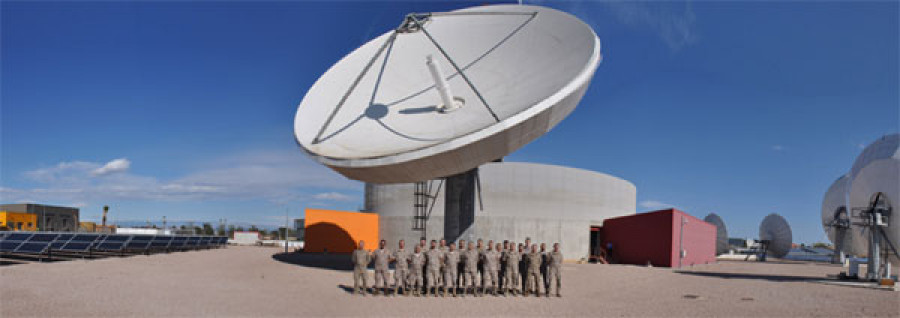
x,y
338,231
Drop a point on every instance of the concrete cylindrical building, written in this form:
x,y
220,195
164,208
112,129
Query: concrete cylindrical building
x,y
547,203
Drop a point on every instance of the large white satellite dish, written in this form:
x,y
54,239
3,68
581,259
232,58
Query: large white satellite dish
x,y
721,232
446,92
775,230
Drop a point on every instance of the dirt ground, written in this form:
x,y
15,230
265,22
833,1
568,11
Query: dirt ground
x,y
258,282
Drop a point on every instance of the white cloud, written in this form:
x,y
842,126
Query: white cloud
x,y
275,176
116,165
778,148
333,196
655,205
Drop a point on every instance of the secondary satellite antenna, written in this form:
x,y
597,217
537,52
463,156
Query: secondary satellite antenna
x,y
721,233
446,92
775,236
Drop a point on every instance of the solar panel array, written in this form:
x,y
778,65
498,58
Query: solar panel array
x,y
46,243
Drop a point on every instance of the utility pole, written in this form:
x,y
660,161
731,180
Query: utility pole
x,y
286,223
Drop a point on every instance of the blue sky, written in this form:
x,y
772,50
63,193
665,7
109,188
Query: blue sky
x,y
185,109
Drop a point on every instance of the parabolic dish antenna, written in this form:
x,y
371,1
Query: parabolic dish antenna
x,y
721,232
777,232
836,216
446,92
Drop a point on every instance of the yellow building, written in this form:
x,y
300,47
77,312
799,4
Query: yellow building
x,y
16,221
88,226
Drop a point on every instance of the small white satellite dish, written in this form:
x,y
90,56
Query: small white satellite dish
x,y
446,92
721,233
775,231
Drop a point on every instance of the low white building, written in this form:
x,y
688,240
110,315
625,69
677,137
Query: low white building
x,y
547,203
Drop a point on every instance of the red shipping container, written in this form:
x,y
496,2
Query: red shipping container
x,y
656,237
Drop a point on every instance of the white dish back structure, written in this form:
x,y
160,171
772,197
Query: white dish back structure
x,y
377,116
835,213
721,232
776,230
877,172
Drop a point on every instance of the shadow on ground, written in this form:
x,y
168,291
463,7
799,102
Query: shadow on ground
x,y
348,289
339,262
774,278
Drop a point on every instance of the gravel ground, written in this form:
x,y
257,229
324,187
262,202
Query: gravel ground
x,y
255,281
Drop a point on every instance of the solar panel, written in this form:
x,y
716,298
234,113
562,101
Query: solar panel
x,y
111,246
18,236
44,237
85,237
80,242
76,247
33,247
139,242
161,241
113,243
204,241
117,238
193,241
61,240
9,246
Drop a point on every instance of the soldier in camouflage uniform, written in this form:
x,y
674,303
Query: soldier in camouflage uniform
x,y
382,259
416,262
451,260
433,269
401,269
471,270
361,259
491,268
534,271
511,259
442,246
554,264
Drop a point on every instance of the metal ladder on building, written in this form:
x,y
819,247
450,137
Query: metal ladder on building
x,y
423,204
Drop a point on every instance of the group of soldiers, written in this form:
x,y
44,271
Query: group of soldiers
x,y
504,268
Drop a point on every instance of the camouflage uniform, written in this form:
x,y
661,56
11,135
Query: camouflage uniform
x,y
471,271
554,265
361,259
491,267
451,260
444,249
433,270
534,273
382,258
416,262
511,279
401,271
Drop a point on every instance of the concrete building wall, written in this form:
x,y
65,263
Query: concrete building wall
x,y
546,203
